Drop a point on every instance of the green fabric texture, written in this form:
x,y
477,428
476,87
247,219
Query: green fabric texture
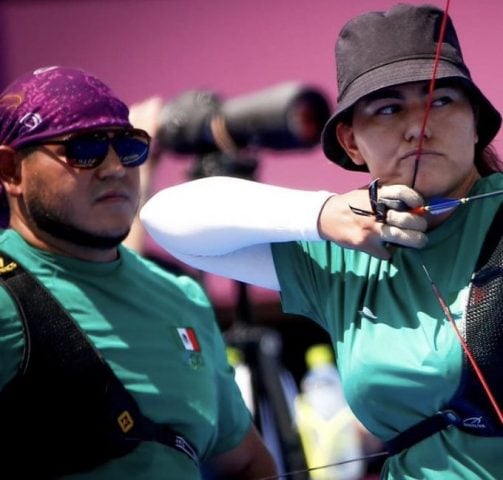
x,y
131,310
398,356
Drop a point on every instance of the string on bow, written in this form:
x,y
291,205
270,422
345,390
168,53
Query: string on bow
x,y
431,89
452,204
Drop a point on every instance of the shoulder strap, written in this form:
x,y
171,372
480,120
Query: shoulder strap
x,y
483,332
470,409
71,380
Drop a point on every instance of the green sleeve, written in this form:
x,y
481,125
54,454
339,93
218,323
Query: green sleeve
x,y
303,271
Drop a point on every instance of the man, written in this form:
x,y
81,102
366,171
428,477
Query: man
x,y
110,367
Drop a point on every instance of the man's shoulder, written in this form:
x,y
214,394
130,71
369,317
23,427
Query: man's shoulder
x,y
147,265
160,275
8,235
12,243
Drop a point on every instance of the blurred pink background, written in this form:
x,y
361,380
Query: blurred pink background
x,y
165,47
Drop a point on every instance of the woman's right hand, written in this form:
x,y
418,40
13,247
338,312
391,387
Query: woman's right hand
x,y
338,223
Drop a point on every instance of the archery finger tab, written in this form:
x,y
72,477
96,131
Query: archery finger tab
x,y
404,237
407,195
406,220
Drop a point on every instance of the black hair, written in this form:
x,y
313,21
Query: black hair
x,y
487,161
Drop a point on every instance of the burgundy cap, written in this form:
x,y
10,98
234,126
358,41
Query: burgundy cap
x,y
52,101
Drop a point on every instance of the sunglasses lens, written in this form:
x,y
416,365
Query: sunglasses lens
x,y
86,152
89,150
131,149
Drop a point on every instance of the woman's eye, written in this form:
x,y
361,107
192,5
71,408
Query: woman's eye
x,y
387,110
440,101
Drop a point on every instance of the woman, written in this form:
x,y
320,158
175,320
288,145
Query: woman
x,y
340,259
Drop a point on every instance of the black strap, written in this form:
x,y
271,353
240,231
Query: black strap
x,y
59,364
470,409
422,430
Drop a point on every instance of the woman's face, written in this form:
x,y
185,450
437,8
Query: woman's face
x,y
386,130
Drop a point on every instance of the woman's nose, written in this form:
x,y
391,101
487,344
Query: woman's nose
x,y
417,125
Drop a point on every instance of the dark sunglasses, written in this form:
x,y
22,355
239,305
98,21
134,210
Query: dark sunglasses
x,y
88,150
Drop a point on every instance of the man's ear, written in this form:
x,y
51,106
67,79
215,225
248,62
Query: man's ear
x,y
10,167
345,136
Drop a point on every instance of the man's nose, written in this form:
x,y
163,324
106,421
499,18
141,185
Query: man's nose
x,y
112,164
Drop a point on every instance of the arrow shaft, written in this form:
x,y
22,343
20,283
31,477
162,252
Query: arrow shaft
x,y
445,204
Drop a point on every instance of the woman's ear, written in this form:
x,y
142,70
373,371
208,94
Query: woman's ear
x,y
10,167
345,136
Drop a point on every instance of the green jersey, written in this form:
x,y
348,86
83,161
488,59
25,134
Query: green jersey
x,y
399,358
159,335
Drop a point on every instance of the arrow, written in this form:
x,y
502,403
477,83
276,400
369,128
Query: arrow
x,y
442,205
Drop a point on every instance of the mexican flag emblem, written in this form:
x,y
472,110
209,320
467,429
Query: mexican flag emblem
x,y
189,339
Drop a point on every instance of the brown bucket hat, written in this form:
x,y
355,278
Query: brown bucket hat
x,y
380,49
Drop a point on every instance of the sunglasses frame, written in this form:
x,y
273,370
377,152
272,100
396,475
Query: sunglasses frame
x,y
108,135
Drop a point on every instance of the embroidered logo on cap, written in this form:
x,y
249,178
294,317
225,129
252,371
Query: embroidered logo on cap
x,y
30,121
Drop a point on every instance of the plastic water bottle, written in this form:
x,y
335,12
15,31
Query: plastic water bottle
x,y
327,427
242,376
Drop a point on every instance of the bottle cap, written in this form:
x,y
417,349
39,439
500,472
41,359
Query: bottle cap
x,y
320,354
234,356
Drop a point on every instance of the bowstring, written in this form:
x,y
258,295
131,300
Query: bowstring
x,y
435,289
431,89
468,353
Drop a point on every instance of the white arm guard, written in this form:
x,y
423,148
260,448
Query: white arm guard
x,y
224,225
